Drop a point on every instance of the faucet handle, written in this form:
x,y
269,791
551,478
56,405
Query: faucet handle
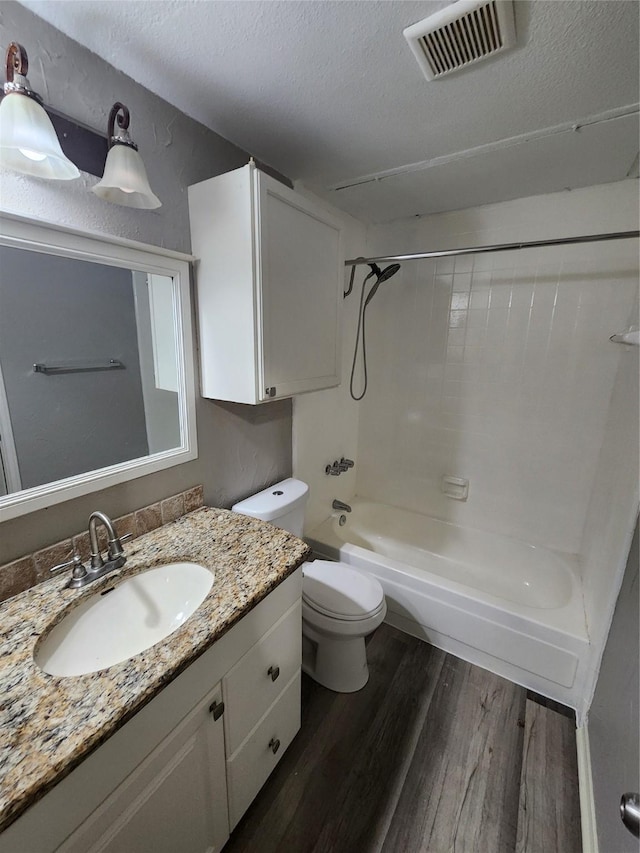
x,y
115,546
346,463
79,570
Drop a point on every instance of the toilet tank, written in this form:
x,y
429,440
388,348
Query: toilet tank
x,y
281,504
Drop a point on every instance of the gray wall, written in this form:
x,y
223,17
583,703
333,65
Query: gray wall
x,y
66,310
614,724
241,448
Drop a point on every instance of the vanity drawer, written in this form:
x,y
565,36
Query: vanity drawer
x,y
249,768
255,682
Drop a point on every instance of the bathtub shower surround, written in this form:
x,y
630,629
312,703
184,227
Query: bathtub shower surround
x,y
496,601
501,376
613,504
498,369
496,566
496,372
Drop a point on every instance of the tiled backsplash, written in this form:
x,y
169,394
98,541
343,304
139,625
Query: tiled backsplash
x,y
34,568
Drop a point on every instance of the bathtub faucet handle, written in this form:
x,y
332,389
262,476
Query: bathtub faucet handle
x,y
335,469
340,506
345,464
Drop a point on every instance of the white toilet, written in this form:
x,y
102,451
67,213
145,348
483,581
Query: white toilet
x,y
340,606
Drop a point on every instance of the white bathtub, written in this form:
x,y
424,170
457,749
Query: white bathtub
x,y
511,607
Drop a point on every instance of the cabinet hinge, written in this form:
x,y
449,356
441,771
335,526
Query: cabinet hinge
x,y
217,709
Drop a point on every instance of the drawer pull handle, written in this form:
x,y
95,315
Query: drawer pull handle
x,y
274,745
274,672
217,709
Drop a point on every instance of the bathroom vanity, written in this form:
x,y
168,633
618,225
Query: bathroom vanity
x,y
171,746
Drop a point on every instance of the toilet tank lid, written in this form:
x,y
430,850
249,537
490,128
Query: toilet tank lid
x,y
274,501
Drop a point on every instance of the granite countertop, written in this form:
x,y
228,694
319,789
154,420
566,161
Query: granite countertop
x,y
48,724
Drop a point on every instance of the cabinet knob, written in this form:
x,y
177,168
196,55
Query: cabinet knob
x,y
217,709
274,745
271,391
274,672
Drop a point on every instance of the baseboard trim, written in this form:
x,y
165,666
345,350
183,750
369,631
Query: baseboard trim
x,y
585,784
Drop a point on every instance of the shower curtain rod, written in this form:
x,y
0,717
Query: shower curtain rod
x,y
504,247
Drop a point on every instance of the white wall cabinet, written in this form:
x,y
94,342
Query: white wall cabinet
x,y
269,280
181,773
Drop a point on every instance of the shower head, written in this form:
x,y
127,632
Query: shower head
x,y
381,275
386,273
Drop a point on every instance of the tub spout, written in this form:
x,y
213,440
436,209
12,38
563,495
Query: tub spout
x,y
340,506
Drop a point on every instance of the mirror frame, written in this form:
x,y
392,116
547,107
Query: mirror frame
x,y
40,236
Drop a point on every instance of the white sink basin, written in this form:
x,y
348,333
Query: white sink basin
x,y
122,621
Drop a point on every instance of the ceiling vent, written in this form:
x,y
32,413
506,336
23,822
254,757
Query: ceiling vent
x,y
463,33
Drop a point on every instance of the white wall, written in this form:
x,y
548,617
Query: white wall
x,y
613,505
325,423
497,367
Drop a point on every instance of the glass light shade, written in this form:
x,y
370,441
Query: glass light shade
x,y
28,141
125,180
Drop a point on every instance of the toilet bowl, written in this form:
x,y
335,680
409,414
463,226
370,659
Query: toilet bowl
x,y
340,607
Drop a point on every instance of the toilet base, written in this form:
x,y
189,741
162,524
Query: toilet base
x,y
338,664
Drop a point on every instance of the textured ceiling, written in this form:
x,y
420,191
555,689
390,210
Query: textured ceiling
x,y
330,94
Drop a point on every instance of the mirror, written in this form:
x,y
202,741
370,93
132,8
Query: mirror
x,y
96,363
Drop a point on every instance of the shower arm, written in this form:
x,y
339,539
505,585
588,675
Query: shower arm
x,y
477,250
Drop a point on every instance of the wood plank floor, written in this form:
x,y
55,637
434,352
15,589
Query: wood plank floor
x,y
434,755
549,814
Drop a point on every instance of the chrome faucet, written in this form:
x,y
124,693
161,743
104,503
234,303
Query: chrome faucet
x,y
340,506
115,553
82,575
339,467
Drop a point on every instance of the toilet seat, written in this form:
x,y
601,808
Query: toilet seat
x,y
314,623
339,592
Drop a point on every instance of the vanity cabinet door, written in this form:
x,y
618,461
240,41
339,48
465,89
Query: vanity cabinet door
x,y
176,800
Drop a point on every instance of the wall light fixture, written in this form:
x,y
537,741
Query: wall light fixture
x,y
28,141
125,178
